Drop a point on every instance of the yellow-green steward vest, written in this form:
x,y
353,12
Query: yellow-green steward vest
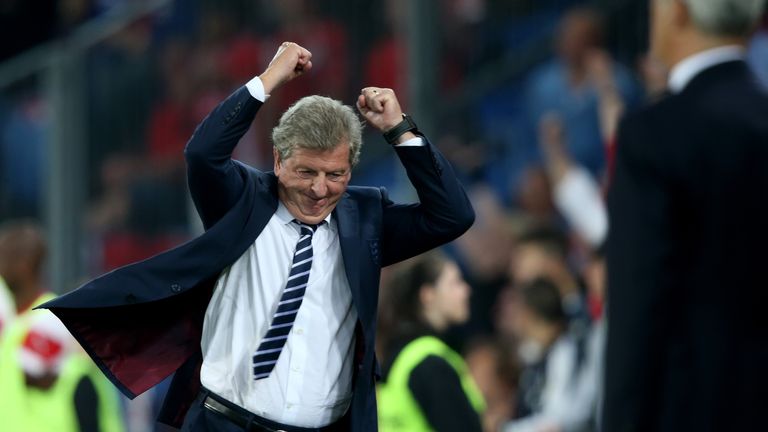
x,y
398,409
31,409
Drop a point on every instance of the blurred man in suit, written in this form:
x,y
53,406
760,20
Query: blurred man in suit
x,y
687,328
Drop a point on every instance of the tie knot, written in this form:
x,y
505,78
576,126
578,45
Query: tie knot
x,y
305,226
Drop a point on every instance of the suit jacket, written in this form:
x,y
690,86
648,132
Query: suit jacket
x,y
142,322
687,346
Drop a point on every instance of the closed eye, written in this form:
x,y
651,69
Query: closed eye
x,y
304,173
336,176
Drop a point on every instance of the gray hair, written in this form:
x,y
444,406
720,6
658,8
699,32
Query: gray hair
x,y
318,123
726,17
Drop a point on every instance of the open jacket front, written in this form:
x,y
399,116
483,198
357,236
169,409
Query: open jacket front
x,y
143,322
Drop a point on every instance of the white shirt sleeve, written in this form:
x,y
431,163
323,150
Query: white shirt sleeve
x,y
256,89
413,142
577,197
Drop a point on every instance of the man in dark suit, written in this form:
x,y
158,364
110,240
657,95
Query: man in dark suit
x,y
273,309
687,345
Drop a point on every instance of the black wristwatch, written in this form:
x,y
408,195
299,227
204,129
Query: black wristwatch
x,y
407,125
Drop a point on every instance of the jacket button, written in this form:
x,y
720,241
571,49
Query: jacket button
x,y
175,288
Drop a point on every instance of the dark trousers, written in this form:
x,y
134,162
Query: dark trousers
x,y
201,419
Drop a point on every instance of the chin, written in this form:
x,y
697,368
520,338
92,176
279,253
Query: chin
x,y
313,217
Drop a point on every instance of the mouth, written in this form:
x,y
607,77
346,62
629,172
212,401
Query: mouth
x,y
317,204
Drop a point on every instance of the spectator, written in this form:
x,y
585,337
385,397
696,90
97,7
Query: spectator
x,y
426,385
47,382
548,382
576,194
542,251
564,86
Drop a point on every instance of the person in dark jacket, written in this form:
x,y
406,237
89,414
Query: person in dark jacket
x,y
686,344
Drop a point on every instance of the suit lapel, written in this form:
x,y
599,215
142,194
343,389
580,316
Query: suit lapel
x,y
261,195
349,239
267,199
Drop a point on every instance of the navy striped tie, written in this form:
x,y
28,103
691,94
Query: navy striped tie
x,y
270,347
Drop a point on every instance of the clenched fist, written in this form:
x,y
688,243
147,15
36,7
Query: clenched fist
x,y
290,61
381,109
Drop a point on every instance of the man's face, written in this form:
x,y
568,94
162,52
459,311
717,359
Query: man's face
x,y
311,182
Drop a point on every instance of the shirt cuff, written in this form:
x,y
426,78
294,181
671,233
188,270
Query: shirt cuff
x,y
256,89
413,142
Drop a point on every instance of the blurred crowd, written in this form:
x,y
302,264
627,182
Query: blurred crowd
x,y
534,151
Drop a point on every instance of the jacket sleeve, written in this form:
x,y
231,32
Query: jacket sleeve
x,y
442,214
215,180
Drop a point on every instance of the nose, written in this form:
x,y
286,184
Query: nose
x,y
319,188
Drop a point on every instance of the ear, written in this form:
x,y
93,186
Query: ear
x,y
276,157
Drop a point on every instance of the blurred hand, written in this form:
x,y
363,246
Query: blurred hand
x,y
290,61
381,109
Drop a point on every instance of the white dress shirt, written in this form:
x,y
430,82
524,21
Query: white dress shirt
x,y
311,384
685,70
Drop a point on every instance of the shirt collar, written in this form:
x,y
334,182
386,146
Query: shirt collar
x,y
684,71
286,217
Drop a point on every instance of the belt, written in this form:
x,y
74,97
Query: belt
x,y
235,417
248,421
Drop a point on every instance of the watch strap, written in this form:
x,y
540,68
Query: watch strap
x,y
406,125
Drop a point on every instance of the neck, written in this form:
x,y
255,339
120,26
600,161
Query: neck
x,y
692,44
436,321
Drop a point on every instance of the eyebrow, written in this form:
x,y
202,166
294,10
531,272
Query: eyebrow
x,y
335,171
